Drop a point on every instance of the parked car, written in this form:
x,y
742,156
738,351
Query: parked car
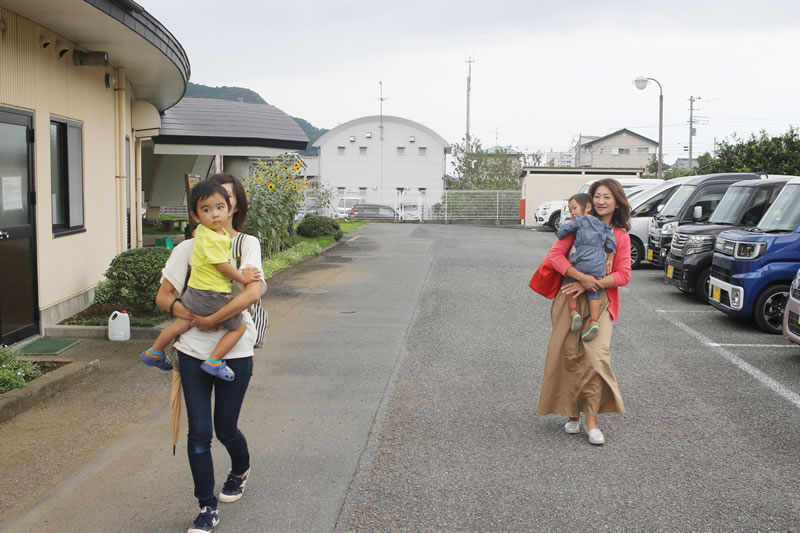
x,y
692,249
344,205
791,316
753,269
408,212
372,212
632,188
644,207
694,202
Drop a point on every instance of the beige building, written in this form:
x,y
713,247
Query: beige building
x,y
621,149
81,86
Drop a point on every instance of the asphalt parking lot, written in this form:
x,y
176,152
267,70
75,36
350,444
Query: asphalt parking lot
x,y
398,390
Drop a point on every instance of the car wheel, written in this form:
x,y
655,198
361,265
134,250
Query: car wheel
x,y
637,252
702,284
769,309
555,220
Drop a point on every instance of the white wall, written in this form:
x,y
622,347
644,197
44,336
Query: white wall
x,y
381,169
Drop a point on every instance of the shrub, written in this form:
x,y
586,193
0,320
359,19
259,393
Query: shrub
x,y
134,276
14,371
317,226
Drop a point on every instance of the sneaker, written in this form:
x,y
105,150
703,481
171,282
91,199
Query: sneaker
x,y
596,437
591,331
221,371
575,321
205,521
233,489
151,358
573,427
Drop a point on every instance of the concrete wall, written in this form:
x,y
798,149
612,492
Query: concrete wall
x,y
357,168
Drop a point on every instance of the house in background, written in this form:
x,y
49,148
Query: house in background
x,y
202,136
683,162
82,82
384,160
620,149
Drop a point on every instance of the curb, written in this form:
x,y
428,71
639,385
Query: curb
x,y
37,391
97,332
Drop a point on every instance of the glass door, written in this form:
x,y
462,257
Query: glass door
x,y
19,310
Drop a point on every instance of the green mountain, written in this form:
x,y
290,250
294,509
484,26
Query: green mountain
x,y
242,94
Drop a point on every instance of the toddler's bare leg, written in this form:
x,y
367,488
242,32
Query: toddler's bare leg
x,y
594,309
227,342
175,328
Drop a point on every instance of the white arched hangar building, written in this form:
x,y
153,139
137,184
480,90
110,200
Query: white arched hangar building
x,y
383,160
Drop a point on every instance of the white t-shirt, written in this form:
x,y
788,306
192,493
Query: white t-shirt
x,y
198,343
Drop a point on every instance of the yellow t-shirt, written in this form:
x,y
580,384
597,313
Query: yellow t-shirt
x,y
210,248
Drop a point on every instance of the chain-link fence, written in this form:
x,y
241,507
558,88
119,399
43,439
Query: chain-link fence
x,y
499,206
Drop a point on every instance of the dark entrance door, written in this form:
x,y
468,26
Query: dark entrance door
x,y
19,309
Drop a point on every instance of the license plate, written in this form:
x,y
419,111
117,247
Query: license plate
x,y
649,255
715,293
670,271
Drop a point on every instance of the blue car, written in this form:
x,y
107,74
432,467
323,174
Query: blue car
x,y
753,269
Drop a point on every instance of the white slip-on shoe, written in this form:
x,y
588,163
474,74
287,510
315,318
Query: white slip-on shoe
x,y
573,427
596,437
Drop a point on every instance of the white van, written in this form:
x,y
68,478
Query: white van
x,y
345,204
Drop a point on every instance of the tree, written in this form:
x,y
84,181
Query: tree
x,y
758,153
479,169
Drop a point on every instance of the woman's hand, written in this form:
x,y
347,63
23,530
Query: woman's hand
x,y
573,288
589,282
205,323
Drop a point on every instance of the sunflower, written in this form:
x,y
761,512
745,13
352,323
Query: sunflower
x,y
294,188
297,165
305,180
270,187
287,187
260,179
247,191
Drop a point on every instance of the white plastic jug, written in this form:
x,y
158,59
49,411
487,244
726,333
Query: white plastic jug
x,y
119,326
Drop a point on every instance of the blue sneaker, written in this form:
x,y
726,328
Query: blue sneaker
x,y
233,489
221,371
205,521
156,359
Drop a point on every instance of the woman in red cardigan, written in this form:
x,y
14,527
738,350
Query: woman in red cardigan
x,y
577,375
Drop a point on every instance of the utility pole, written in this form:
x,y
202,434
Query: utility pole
x,y
380,127
469,62
691,128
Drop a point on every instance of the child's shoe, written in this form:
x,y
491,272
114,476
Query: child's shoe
x,y
591,331
157,359
220,370
575,320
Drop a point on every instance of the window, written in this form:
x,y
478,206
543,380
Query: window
x,y
352,138
66,175
368,135
340,150
362,150
422,191
401,150
624,151
362,191
412,139
423,150
643,150
340,191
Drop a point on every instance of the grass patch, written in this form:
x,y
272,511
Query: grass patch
x,y
14,372
350,225
290,257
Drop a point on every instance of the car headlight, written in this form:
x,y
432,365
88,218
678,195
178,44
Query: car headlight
x,y
750,250
669,228
796,282
698,243
725,246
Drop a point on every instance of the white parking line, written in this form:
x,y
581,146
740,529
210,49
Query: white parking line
x,y
764,379
704,311
752,345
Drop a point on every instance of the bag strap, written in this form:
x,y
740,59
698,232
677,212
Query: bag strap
x,y
237,249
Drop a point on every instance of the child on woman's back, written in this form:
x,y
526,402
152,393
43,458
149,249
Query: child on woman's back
x,y
594,252
209,286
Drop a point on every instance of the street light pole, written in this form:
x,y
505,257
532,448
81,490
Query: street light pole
x,y
640,83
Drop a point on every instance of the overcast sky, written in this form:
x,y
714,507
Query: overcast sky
x,y
544,72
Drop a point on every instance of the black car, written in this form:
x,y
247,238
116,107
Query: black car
x,y
694,202
692,248
372,212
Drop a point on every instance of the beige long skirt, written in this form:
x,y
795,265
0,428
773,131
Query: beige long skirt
x,y
577,375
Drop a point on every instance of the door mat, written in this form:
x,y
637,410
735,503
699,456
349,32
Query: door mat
x,y
47,346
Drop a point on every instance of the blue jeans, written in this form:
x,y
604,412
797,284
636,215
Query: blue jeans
x,y
228,397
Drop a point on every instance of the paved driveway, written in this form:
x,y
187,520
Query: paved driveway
x,y
398,392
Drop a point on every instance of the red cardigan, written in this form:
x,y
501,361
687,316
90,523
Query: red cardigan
x,y
621,268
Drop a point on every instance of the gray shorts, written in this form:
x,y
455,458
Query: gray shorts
x,y
206,303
